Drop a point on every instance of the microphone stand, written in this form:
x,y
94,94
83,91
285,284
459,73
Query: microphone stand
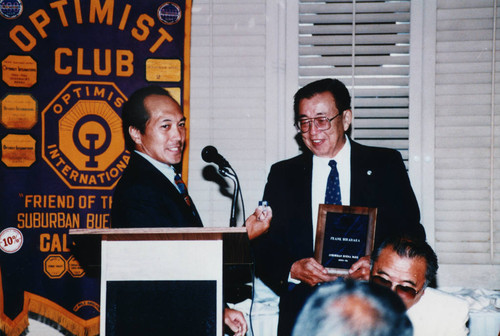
x,y
224,171
210,154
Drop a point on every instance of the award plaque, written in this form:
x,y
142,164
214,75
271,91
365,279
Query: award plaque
x,y
344,234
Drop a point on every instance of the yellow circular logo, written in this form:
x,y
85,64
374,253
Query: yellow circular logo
x,y
82,135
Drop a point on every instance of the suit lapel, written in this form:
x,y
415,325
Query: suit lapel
x,y
303,207
173,193
163,185
306,188
147,170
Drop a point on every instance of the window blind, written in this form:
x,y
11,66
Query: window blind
x,y
365,44
467,141
228,90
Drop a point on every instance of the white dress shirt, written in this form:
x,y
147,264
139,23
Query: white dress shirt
x,y
320,172
439,314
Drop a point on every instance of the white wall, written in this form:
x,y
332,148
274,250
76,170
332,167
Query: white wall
x,y
237,98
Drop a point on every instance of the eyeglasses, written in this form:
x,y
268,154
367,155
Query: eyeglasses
x,y
403,291
322,123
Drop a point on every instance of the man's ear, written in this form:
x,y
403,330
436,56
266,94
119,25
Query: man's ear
x,y
135,134
346,119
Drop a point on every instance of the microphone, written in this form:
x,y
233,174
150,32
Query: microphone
x,y
210,154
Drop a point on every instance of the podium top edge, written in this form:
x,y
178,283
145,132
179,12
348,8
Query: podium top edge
x,y
157,230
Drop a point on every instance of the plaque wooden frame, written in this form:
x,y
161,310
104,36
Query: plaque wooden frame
x,y
367,216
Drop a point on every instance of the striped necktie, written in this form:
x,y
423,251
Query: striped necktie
x,y
183,190
332,195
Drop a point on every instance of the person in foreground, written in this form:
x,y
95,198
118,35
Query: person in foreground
x,y
407,266
150,192
333,169
353,308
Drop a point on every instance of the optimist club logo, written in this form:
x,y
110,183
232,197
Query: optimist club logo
x,y
82,135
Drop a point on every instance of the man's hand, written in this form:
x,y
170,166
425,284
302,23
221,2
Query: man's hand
x,y
258,222
360,270
235,320
310,272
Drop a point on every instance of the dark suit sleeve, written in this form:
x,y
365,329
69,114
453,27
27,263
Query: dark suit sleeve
x,y
272,261
290,234
380,180
402,213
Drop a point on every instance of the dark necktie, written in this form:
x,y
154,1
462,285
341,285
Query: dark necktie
x,y
182,188
332,195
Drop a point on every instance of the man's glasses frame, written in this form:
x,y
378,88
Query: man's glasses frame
x,y
404,291
322,123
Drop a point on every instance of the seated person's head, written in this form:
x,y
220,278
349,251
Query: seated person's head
x,y
405,265
353,308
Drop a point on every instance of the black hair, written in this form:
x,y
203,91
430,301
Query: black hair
x,y
135,114
410,247
334,86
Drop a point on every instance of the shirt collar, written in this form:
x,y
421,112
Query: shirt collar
x,y
342,156
164,168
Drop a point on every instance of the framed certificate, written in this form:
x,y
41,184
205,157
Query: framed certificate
x,y
344,234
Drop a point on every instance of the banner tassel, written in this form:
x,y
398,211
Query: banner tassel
x,y
57,317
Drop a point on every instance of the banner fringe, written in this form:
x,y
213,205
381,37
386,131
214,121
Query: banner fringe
x,y
58,317
19,328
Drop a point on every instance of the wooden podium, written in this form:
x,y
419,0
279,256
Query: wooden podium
x,y
163,280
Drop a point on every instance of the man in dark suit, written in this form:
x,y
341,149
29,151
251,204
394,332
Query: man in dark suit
x,y
150,193
147,194
366,176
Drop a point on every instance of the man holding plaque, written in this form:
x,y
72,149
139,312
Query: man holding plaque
x,y
332,169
